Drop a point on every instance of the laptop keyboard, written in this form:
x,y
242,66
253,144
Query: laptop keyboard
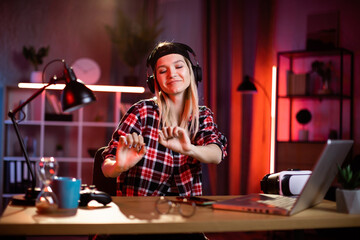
x,y
278,201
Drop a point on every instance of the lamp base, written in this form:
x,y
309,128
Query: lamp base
x,y
27,199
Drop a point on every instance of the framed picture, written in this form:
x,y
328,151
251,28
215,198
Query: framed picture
x,y
322,31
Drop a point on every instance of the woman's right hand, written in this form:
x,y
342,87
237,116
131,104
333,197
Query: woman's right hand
x,y
131,149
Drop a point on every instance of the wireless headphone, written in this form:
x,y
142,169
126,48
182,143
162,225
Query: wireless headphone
x,y
170,48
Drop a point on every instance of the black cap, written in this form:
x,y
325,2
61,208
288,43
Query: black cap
x,y
167,48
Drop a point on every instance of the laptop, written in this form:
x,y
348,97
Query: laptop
x,y
323,174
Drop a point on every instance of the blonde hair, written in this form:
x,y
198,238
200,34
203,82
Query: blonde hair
x,y
191,106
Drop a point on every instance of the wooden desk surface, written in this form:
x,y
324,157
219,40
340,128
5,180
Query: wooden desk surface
x,y
128,215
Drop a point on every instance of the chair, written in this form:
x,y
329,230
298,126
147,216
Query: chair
x,y
101,182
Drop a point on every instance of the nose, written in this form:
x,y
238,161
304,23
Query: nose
x,y
172,72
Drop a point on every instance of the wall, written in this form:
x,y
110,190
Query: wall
x,y
178,16
290,34
72,29
182,22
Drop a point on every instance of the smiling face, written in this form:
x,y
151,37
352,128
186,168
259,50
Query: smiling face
x,y
172,74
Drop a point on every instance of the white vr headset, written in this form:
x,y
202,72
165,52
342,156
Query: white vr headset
x,y
288,183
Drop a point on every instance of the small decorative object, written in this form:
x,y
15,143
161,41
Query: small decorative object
x,y
348,195
87,70
315,78
303,117
320,78
46,169
59,150
36,59
326,78
322,31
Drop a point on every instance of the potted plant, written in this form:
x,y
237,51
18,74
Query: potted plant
x,y
36,59
133,39
348,195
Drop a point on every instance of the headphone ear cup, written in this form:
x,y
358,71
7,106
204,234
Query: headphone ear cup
x,y
151,83
197,73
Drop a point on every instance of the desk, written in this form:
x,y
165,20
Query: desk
x,y
136,215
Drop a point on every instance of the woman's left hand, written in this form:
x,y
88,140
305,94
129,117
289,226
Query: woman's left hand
x,y
176,139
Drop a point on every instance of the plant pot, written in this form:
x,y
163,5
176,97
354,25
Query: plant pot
x,y
36,77
303,135
348,201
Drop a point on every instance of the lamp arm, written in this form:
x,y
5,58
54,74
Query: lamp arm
x,y
11,114
22,145
18,108
263,89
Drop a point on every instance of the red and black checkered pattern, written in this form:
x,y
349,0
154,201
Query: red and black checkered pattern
x,y
161,170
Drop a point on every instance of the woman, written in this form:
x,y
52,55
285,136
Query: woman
x,y
160,143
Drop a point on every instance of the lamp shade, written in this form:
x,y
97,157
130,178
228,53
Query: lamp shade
x,y
247,86
76,95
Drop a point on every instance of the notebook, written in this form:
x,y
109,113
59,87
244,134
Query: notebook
x,y
323,174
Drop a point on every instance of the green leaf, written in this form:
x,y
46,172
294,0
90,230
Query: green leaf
x,y
35,57
348,178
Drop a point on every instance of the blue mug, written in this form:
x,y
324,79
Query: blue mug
x,y
67,191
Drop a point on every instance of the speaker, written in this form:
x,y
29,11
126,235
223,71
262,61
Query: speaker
x,y
196,68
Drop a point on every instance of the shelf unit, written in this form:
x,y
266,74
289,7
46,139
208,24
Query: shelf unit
x,y
300,86
90,128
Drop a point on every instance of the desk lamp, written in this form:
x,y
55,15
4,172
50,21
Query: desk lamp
x,y
74,96
248,86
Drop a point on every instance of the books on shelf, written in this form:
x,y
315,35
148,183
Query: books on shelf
x,y
53,110
54,103
296,83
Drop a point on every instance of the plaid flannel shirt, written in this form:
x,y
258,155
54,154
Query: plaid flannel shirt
x,y
156,173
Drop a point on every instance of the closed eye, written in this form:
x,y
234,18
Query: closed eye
x,y
162,70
